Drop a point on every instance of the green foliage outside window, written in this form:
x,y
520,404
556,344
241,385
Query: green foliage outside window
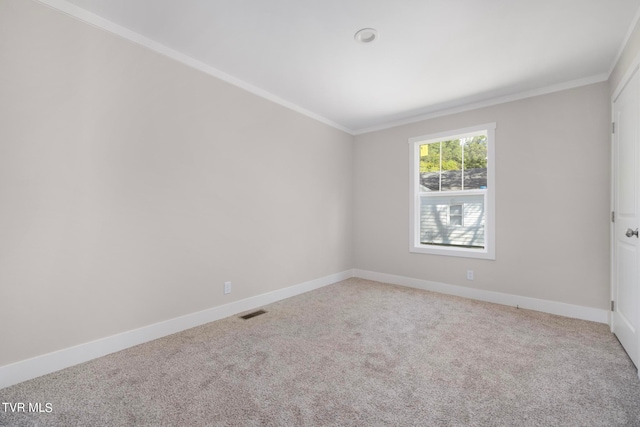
x,y
475,154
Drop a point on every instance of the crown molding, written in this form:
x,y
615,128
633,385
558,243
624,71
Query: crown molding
x,y
104,24
438,111
443,110
624,43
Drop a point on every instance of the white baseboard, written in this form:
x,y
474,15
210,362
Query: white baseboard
x,y
51,362
55,361
545,306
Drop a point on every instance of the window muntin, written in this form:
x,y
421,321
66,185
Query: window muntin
x,y
452,193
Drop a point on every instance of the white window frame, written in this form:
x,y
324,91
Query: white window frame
x,y
488,252
461,215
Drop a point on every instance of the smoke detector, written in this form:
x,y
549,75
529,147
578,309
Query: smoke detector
x,y
366,35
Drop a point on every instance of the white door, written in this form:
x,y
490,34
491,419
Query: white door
x,y
626,254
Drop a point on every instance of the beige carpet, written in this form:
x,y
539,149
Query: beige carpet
x,y
354,353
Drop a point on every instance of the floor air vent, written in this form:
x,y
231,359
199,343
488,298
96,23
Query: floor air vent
x,y
254,314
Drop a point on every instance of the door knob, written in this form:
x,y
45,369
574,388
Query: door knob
x,y
630,232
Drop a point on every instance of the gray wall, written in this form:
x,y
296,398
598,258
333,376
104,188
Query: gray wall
x,y
552,199
132,187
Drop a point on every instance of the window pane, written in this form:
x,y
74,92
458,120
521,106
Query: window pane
x,y
451,165
430,167
455,210
475,162
435,228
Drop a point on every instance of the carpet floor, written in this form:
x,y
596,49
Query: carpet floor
x,y
354,353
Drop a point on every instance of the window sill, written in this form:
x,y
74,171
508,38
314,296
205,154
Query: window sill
x,y
454,252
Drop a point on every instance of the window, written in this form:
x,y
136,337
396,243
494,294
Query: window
x,y
456,217
452,185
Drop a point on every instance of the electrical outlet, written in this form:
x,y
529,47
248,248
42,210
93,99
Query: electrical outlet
x,y
469,274
227,287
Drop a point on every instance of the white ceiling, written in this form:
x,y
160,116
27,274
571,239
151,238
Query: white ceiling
x,y
431,55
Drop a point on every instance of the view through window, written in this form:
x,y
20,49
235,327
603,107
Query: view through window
x,y
451,191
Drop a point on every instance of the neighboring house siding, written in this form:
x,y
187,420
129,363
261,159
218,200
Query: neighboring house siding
x,y
436,229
